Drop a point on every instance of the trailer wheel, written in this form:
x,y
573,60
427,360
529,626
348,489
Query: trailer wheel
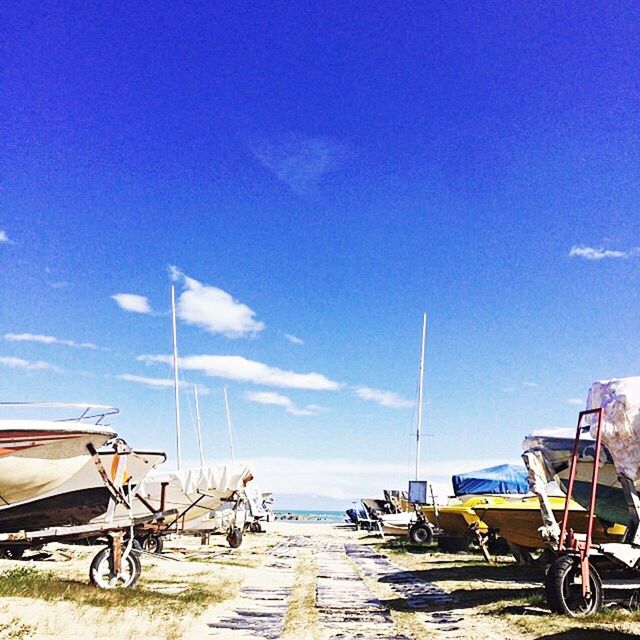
x,y
255,527
563,588
153,543
420,533
234,537
101,576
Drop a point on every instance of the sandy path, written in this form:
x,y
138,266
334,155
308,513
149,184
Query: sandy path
x,y
353,585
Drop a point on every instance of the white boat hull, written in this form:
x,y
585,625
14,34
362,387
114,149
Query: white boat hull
x,y
37,457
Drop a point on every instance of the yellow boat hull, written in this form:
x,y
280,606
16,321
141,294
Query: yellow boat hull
x,y
519,521
455,519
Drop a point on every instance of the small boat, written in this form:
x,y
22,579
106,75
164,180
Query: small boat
x,y
456,518
556,446
85,497
518,521
36,456
193,492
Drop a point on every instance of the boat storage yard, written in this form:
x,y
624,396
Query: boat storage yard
x,y
93,530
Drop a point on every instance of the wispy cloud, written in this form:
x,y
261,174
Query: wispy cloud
x,y
384,398
293,339
243,370
576,401
349,479
528,383
4,238
42,339
160,383
28,365
60,285
508,389
279,400
132,302
598,253
213,309
299,161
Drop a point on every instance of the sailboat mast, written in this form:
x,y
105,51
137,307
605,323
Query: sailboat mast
x,y
175,374
198,431
226,404
420,392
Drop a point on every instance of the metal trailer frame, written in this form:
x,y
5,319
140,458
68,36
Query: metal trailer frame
x,y
624,554
158,529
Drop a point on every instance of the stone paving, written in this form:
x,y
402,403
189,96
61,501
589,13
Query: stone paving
x,y
347,607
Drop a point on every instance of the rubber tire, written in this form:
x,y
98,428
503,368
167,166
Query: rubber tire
x,y
13,551
234,538
255,527
420,533
556,588
133,562
453,544
153,543
499,547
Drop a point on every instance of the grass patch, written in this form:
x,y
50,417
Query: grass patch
x,y
28,582
301,619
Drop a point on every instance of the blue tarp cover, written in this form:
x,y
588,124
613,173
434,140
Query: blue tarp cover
x,y
505,478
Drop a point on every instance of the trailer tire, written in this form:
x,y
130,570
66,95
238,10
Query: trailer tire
x,y
564,595
420,533
100,571
255,527
234,537
152,543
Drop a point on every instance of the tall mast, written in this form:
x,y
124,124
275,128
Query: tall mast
x,y
198,432
175,374
226,404
420,392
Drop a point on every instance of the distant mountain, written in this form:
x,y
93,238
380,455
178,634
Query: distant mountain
x,y
284,501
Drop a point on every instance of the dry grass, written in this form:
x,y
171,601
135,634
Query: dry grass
x,y
28,582
15,630
301,620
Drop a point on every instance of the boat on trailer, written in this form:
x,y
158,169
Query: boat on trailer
x,y
36,455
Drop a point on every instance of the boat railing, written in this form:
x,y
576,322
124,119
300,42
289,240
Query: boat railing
x,y
95,413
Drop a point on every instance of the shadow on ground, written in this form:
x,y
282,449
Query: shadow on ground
x,y
589,634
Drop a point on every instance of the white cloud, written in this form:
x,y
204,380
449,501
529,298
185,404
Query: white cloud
x,y
59,285
4,238
28,365
576,401
277,399
592,253
160,383
299,161
42,339
508,389
534,385
383,398
293,339
213,309
349,479
132,302
243,370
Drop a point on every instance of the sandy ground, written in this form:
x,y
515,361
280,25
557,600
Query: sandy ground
x,y
296,580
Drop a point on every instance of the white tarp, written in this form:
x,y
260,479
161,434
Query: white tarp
x,y
620,402
221,478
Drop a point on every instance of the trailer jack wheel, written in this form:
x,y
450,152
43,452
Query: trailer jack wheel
x,y
234,537
102,576
563,588
153,543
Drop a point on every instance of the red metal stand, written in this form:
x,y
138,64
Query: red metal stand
x,y
572,544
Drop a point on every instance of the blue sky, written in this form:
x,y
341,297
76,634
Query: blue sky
x,y
319,177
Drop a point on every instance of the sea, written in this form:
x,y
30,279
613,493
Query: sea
x,y
310,516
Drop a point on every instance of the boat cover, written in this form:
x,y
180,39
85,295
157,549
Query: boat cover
x,y
505,478
221,478
620,402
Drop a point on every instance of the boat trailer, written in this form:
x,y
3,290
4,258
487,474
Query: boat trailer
x,y
573,584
